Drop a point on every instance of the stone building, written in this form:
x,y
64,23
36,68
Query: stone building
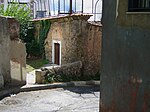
x,y
72,38
125,79
12,53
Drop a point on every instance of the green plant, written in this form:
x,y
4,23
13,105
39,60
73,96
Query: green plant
x,y
36,46
19,11
45,26
51,76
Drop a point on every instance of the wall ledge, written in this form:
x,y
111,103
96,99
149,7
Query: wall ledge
x,y
137,13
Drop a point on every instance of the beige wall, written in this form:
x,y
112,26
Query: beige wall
x,y
17,54
12,53
18,62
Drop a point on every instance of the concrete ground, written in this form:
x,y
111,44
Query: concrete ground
x,y
67,99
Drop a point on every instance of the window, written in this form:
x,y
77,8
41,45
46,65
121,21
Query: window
x,y
139,6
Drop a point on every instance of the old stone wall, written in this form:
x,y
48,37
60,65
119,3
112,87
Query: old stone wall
x,y
80,41
69,32
92,49
4,51
125,79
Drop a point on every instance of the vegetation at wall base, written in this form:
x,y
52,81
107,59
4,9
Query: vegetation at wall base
x,y
51,76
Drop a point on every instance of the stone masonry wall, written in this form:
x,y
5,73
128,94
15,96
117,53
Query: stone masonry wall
x,y
92,50
68,31
80,41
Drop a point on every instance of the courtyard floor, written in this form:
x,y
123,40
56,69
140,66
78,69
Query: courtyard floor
x,y
68,99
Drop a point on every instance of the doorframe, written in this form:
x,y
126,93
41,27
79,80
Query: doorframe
x,y
53,49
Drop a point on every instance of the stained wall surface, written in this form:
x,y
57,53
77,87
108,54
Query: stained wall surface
x,y
4,52
125,79
12,53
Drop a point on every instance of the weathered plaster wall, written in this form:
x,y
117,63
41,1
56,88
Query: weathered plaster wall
x,y
17,54
14,28
18,62
125,79
4,51
12,53
80,41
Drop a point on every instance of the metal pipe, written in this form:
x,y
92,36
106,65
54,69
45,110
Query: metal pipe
x,y
75,5
64,6
41,5
70,6
58,7
54,7
49,8
82,6
92,5
44,6
95,9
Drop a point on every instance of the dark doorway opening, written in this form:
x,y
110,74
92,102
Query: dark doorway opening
x,y
57,53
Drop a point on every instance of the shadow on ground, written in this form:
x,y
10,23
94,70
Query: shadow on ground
x,y
83,89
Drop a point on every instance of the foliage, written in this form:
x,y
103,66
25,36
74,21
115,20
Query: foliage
x,y
51,76
35,45
33,49
45,26
19,11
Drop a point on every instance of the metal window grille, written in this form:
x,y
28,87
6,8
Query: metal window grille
x,y
66,7
139,5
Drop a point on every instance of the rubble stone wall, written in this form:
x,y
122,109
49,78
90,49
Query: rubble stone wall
x,y
80,41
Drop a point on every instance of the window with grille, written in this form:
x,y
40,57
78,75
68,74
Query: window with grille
x,y
139,5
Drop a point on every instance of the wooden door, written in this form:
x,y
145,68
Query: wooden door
x,y
57,53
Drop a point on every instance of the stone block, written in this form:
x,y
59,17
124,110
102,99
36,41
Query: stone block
x,y
39,76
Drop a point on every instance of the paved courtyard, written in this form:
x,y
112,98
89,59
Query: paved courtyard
x,y
69,99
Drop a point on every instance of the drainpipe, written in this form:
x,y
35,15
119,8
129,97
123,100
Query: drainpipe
x,y
82,6
70,7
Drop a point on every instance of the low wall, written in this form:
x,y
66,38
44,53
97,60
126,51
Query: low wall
x,y
67,72
72,70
